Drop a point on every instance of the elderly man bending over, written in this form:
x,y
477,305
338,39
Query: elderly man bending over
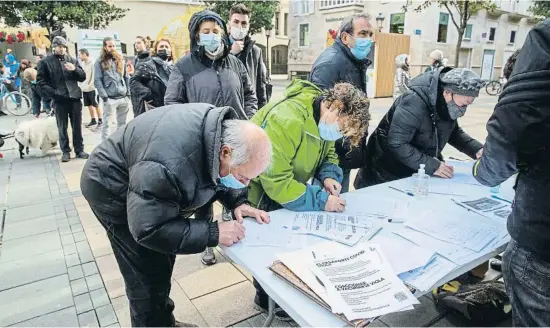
x,y
146,180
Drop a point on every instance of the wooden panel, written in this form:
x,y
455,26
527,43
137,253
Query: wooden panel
x,y
388,46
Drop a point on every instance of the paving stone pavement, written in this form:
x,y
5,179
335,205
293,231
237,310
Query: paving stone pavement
x,y
57,267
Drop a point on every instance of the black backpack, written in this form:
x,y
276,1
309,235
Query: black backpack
x,y
482,304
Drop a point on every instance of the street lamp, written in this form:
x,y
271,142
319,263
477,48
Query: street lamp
x,y
267,51
380,21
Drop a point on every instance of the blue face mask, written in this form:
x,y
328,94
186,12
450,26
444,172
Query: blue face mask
x,y
33,82
330,132
211,42
231,182
362,48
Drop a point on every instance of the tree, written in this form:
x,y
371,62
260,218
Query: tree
x,y
262,12
540,9
53,14
460,12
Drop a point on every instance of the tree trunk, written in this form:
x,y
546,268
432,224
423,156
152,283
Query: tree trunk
x,y
458,46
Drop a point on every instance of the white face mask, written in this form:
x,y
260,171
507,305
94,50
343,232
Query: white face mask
x,y
238,33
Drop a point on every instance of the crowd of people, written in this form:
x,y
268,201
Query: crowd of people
x,y
205,131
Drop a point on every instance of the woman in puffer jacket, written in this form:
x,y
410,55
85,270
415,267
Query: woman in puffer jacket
x,y
402,75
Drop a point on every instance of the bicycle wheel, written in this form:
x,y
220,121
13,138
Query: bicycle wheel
x,y
17,103
493,88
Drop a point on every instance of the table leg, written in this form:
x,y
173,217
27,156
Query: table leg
x,y
270,313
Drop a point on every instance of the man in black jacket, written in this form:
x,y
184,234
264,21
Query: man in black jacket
x,y
346,61
519,141
244,48
419,125
57,79
146,180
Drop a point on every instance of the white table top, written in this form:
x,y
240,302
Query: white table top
x,y
306,312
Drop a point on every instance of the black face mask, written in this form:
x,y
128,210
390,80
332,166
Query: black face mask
x,y
164,54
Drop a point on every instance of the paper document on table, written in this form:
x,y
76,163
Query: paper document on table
x,y
342,228
456,231
360,284
463,172
402,254
436,187
369,206
300,262
424,279
489,207
271,235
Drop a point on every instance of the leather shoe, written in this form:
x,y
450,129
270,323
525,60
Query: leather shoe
x,y
82,155
66,157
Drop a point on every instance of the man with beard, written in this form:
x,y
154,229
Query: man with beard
x,y
57,79
111,81
244,48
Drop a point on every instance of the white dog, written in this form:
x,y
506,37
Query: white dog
x,y
38,133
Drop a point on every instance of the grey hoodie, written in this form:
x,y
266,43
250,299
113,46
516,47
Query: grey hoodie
x,y
110,83
402,76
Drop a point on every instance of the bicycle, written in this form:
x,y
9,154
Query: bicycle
x,y
494,88
15,102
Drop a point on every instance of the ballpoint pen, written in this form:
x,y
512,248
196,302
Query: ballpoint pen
x,y
405,192
502,199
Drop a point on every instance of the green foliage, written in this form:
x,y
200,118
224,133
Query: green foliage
x,y
50,14
540,9
262,12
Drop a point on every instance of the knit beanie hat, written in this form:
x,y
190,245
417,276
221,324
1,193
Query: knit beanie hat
x,y
462,81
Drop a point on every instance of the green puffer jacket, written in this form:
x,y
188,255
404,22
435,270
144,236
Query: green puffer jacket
x,y
298,153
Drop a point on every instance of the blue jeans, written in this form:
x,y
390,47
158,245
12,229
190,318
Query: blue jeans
x,y
527,280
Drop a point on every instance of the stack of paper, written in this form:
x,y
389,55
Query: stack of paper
x,y
402,254
345,229
375,207
427,277
357,282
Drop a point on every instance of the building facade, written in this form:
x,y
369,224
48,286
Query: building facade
x,y
150,17
490,37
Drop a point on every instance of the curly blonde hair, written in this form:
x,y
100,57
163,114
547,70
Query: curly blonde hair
x,y
354,106
105,57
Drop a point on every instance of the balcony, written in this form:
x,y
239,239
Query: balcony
x,y
331,4
514,8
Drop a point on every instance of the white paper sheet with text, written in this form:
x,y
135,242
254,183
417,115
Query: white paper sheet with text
x,y
402,254
427,277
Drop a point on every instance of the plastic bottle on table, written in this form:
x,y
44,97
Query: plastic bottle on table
x,y
421,184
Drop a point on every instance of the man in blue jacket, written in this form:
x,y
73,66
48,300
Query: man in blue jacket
x,y
519,142
346,61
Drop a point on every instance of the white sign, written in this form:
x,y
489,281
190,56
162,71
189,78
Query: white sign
x,y
92,40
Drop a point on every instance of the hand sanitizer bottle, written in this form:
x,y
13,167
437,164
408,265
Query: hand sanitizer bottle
x,y
422,182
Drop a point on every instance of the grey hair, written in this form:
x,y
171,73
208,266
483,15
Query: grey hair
x,y
347,23
244,148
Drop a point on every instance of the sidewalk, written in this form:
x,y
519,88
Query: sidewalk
x,y
57,266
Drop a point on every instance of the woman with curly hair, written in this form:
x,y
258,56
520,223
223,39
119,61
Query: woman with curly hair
x,y
302,128
509,67
148,85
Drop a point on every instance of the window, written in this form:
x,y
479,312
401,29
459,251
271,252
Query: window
x,y
302,7
443,27
276,23
492,32
327,4
285,27
468,32
123,48
397,23
303,37
512,36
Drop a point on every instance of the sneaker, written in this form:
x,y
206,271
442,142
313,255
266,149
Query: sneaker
x,y
183,324
99,123
66,157
2,113
496,265
82,155
91,124
262,306
208,257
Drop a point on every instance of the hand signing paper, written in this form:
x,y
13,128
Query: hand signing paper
x,y
247,210
230,232
332,186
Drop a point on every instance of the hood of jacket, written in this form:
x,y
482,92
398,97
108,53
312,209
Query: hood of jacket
x,y
193,28
401,61
426,86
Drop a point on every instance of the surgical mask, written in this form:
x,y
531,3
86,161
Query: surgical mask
x,y
455,111
164,54
238,33
231,182
362,48
329,132
211,42
33,82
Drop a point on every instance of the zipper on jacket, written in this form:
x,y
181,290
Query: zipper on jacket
x,y
220,84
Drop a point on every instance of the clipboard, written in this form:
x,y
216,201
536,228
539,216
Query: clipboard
x,y
283,272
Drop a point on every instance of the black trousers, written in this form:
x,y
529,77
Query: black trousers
x,y
65,110
146,274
